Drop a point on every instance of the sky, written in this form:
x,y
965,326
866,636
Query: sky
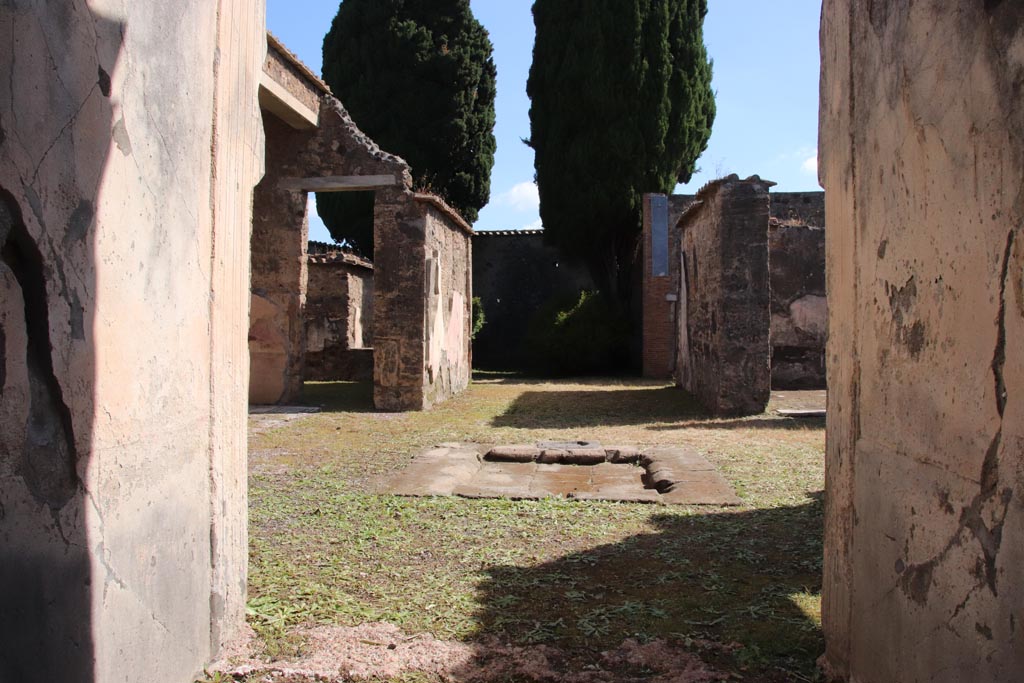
x,y
765,80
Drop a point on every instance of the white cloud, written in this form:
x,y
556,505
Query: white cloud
x,y
521,197
535,225
810,165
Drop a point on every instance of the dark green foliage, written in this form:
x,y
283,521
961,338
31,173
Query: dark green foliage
x,y
348,216
478,317
621,104
580,336
417,76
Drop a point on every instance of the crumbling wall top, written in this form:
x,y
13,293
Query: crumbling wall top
x,y
712,188
275,48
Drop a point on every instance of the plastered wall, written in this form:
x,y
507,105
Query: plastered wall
x,y
799,306
125,202
922,127
449,294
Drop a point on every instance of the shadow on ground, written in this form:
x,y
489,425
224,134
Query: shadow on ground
x,y
604,408
339,397
739,589
757,422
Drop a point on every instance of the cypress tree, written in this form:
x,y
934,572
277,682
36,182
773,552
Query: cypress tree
x,y
418,77
621,104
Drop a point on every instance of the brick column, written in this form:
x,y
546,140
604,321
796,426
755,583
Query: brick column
x,y
658,332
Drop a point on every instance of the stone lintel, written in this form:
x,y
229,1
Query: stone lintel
x,y
339,183
276,99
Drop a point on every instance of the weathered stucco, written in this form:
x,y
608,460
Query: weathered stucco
x,y
723,322
922,127
125,197
449,292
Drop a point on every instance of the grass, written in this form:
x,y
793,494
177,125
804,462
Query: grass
x,y
583,576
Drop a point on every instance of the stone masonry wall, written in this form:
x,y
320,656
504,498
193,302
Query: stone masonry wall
x,y
799,208
339,318
514,274
422,272
796,246
799,310
399,279
283,67
280,230
280,233
922,127
125,204
723,350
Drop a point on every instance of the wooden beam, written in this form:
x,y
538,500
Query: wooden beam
x,y
338,183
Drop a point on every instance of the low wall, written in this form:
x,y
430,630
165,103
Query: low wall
x,y
723,349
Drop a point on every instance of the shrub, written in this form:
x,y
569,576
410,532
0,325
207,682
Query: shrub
x,y
587,335
478,317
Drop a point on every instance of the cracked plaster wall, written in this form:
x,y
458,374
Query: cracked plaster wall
x,y
127,157
922,131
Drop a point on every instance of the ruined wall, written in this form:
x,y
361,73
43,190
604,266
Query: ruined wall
x,y
796,246
422,297
449,294
922,127
398,310
280,230
403,225
799,310
799,208
336,147
122,432
723,349
339,318
515,274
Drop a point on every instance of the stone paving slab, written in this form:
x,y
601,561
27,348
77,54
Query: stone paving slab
x,y
670,476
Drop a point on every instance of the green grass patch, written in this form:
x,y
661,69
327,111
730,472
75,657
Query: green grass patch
x,y
583,576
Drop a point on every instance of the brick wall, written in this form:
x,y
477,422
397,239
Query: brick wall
x,y
660,290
